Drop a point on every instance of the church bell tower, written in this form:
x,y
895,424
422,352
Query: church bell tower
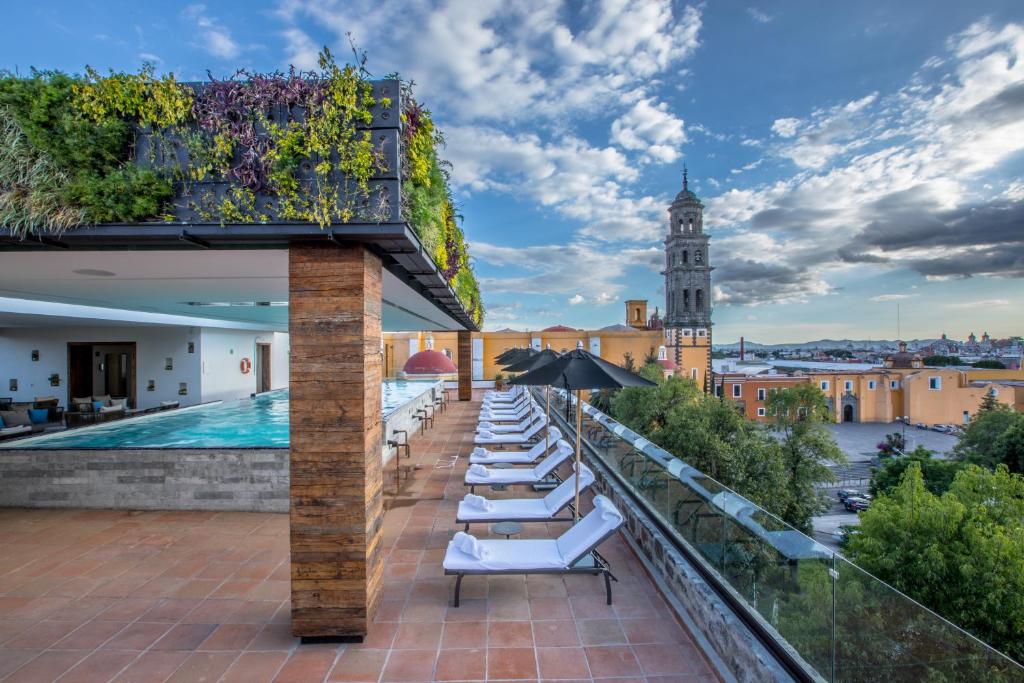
x,y
688,277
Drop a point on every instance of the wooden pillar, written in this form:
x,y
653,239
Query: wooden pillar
x,y
465,365
336,508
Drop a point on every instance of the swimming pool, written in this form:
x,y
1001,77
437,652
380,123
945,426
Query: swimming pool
x,y
260,422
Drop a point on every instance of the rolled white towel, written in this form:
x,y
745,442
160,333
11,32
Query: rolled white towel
x,y
469,545
479,470
478,502
479,450
484,427
484,434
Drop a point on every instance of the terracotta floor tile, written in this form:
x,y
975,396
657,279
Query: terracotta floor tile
x,y
417,636
562,662
358,666
464,634
203,667
137,636
170,609
550,608
424,611
255,667
101,665
601,632
461,665
511,663
640,631
509,634
658,660
152,667
612,661
381,636
555,633
274,637
41,635
91,635
48,666
184,637
409,665
306,666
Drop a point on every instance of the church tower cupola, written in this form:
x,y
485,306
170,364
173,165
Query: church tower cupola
x,y
687,273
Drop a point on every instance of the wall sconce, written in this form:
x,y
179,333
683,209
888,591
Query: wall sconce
x,y
151,385
183,389
13,385
55,380
169,364
35,355
191,347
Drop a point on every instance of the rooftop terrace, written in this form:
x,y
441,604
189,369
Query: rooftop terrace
x,y
95,595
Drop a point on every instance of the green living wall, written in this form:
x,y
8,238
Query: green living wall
x,y
253,148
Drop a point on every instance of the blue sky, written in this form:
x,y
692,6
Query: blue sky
x,y
852,156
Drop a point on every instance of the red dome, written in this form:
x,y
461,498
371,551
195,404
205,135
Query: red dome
x,y
429,362
559,328
667,364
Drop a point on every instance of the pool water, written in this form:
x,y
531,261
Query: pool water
x,y
260,422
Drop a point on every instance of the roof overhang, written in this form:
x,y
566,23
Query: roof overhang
x,y
215,264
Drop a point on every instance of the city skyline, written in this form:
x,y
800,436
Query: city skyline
x,y
851,159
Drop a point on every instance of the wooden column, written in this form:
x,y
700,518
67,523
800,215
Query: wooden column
x,y
465,365
336,507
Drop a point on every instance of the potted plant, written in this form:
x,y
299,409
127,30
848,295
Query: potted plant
x,y
499,382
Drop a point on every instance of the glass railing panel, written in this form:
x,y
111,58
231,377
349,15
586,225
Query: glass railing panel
x,y
842,622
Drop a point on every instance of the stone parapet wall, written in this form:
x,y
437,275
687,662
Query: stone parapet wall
x,y
245,480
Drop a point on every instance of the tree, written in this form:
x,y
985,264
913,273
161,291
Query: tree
x,y
941,361
937,474
982,442
628,362
960,554
650,357
989,364
798,415
893,444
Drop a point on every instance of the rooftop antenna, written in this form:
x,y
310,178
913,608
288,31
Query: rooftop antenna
x,y
684,178
898,333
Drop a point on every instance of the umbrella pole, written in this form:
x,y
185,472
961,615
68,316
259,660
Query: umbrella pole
x,y
547,422
579,417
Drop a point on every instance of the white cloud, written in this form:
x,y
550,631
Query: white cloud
x,y
759,16
576,300
984,303
151,58
890,297
785,128
650,127
210,34
303,53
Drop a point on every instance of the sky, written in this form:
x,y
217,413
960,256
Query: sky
x,y
859,162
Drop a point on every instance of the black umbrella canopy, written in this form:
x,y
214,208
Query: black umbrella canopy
x,y
506,354
518,356
533,362
581,370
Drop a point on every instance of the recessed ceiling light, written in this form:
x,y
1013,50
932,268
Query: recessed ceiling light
x,y
94,271
242,304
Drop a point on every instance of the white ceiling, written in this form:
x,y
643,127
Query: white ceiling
x,y
162,282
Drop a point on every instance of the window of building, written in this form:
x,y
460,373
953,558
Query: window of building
x,y
698,256
824,385
848,385
699,299
686,256
687,332
894,384
760,394
736,389
993,392
702,333
871,384
935,383
686,300
693,373
760,412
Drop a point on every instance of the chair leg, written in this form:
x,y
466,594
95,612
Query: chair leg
x,y
458,587
608,586
467,528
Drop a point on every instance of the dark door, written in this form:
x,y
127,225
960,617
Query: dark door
x,y
79,370
262,367
847,413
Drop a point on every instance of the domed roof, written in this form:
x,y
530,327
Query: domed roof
x,y
667,363
559,328
429,362
686,196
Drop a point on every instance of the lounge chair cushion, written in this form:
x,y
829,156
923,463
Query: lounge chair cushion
x,y
478,475
503,555
482,456
523,509
469,545
104,399
16,418
575,542
563,494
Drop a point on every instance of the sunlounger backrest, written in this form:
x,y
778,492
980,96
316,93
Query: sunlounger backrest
x,y
546,466
586,534
560,496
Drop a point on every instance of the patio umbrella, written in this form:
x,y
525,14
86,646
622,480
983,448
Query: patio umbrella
x,y
518,355
506,354
575,371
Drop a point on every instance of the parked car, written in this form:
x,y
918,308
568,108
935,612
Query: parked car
x,y
940,428
846,493
921,425
856,503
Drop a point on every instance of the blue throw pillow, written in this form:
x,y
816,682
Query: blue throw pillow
x,y
96,405
39,415
1,421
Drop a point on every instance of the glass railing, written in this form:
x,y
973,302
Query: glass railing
x,y
843,623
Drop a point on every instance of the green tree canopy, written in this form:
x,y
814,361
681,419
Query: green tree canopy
x,y
960,554
941,361
938,474
989,364
995,435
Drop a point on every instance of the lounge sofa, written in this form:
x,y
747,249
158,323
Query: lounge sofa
x,y
95,409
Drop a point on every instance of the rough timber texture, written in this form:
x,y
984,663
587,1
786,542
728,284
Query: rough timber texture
x,y
336,507
465,365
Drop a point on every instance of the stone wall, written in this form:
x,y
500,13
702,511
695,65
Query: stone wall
x,y
248,480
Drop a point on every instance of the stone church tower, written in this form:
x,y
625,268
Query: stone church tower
x,y
688,283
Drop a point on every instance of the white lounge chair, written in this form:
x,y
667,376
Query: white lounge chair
x,y
482,456
474,508
574,552
502,415
511,395
515,427
485,437
479,475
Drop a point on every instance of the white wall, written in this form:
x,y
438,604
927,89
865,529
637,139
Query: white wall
x,y
222,354
153,346
280,356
